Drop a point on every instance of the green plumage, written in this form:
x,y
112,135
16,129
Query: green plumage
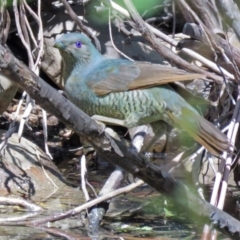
x,y
130,91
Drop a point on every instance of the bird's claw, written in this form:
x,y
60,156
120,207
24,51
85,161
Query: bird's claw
x,y
102,126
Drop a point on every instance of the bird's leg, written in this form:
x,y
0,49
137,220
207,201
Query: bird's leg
x,y
108,120
159,128
140,118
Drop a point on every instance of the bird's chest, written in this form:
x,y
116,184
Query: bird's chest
x,y
83,97
79,94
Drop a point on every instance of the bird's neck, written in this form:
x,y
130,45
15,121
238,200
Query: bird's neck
x,y
68,64
76,66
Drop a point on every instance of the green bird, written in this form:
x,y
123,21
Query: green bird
x,y
131,93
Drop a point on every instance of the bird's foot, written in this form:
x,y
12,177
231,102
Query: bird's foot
x,y
100,123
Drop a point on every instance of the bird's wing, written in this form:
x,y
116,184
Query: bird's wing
x,y
155,74
120,75
112,76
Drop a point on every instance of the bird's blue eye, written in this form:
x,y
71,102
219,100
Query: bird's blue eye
x,y
78,44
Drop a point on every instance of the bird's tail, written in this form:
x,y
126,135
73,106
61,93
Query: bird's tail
x,y
202,131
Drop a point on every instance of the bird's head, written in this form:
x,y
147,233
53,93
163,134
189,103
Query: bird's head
x,y
78,46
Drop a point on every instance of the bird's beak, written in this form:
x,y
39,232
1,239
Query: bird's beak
x,y
58,44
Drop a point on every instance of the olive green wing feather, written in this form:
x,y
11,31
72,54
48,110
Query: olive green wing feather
x,y
120,75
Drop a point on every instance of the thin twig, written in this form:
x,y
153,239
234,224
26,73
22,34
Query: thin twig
x,y
76,19
83,177
77,210
17,20
111,38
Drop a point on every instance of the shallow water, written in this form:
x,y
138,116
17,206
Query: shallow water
x,y
141,214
